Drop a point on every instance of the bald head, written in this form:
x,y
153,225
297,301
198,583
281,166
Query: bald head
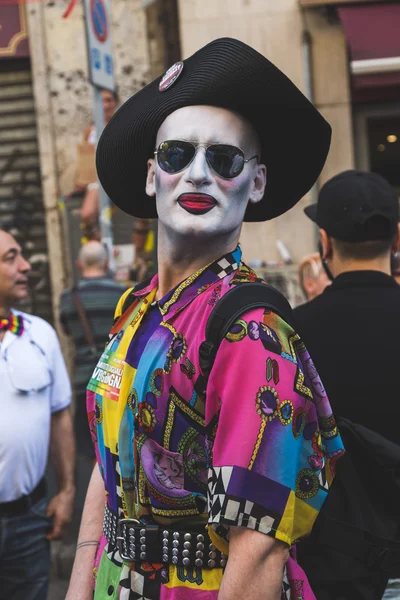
x,y
93,259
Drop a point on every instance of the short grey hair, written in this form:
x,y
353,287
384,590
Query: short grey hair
x,y
93,254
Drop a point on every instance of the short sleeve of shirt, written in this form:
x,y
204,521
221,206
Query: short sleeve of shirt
x,y
61,386
268,463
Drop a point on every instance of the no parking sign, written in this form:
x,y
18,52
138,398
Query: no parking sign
x,y
98,35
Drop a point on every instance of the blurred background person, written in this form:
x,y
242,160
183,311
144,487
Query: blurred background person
x,y
86,168
86,314
35,418
312,276
143,240
86,176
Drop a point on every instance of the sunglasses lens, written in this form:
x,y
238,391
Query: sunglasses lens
x,y
173,156
227,161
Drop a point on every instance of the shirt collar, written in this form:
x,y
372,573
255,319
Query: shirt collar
x,y
9,337
362,278
195,284
25,316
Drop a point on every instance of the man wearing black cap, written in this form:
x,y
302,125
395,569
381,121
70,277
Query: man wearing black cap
x,y
352,329
207,488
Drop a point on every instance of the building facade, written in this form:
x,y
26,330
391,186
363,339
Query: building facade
x,y
45,106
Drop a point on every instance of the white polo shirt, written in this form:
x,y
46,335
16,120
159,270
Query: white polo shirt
x,y
34,385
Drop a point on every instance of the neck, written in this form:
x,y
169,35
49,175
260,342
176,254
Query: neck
x,y
340,265
180,257
5,310
92,272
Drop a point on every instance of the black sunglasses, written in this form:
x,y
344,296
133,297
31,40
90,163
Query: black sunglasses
x,y
175,155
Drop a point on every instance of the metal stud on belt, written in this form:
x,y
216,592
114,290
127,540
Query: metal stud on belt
x,y
142,544
165,546
199,550
136,541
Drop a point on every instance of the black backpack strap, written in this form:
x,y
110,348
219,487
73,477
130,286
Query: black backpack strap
x,y
240,299
131,297
84,321
374,552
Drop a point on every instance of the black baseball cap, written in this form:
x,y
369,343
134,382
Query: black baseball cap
x,y
356,206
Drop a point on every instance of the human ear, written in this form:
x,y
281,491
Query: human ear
x,y
326,245
151,178
258,184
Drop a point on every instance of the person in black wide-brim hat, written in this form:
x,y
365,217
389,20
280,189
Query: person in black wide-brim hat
x,y
294,137
202,469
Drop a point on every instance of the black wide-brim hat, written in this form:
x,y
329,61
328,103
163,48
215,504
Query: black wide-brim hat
x,y
226,73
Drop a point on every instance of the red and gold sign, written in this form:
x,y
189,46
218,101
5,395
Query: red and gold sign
x,y
13,30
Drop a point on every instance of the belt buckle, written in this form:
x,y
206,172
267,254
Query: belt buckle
x,y
121,539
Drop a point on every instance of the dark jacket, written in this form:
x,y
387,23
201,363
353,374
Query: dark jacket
x,y
352,332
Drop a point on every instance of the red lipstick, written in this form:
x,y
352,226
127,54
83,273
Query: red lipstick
x,y
197,204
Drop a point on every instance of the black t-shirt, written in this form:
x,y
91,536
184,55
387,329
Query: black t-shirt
x,y
352,332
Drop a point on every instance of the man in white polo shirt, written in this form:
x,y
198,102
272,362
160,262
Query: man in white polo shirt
x,y
35,417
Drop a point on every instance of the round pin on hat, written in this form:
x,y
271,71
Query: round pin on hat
x,y
170,76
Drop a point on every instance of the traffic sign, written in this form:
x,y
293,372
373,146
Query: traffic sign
x,y
98,17
99,43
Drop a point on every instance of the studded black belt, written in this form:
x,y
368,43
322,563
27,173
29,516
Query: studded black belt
x,y
150,543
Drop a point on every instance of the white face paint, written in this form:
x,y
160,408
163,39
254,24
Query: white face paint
x,y
206,125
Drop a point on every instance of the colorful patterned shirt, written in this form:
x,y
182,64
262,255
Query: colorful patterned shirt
x,y
257,450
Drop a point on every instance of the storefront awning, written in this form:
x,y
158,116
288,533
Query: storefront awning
x,y
320,3
372,32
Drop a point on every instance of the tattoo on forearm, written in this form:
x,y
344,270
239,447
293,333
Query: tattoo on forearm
x,y
87,543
